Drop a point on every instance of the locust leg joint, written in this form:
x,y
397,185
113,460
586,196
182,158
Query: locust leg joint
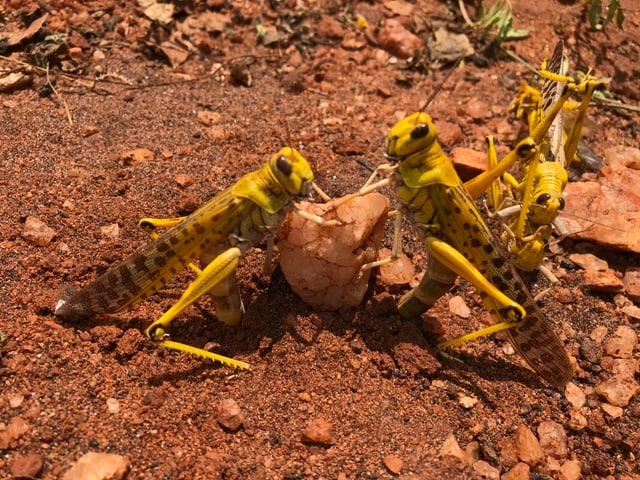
x,y
156,333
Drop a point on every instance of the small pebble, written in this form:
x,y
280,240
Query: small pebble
x,y
393,463
399,272
397,40
612,410
318,431
208,118
304,396
230,414
553,438
622,342
598,334
574,395
451,448
113,406
110,231
183,180
16,400
577,420
458,307
469,163
631,282
138,155
618,390
26,465
519,472
527,446
467,401
98,466
623,155
588,261
632,311
603,280
483,469
571,470
38,232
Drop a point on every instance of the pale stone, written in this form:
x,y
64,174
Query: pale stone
x,y
519,472
574,395
588,261
618,390
38,232
606,211
611,410
230,415
553,438
397,40
138,155
393,463
110,231
483,469
598,333
451,448
26,465
98,466
527,446
113,406
571,470
623,155
318,431
631,282
622,342
459,307
322,263
398,272
577,420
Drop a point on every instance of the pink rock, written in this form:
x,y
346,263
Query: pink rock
x,y
318,431
631,282
25,465
397,40
527,445
469,163
98,466
399,272
322,263
519,472
618,390
230,415
622,342
606,211
38,232
553,438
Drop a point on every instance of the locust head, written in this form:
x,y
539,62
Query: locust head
x,y
292,171
412,134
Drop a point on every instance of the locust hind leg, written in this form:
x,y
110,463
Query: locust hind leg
x,y
220,268
445,264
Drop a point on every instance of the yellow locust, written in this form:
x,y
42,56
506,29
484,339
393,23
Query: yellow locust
x,y
536,195
218,234
460,243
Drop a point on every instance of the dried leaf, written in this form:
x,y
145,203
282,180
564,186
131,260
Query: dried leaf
x,y
160,12
15,38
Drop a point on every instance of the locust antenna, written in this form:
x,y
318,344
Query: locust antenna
x,y
436,90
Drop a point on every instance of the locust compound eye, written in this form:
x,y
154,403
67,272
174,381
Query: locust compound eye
x,y
542,199
420,131
561,202
284,165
